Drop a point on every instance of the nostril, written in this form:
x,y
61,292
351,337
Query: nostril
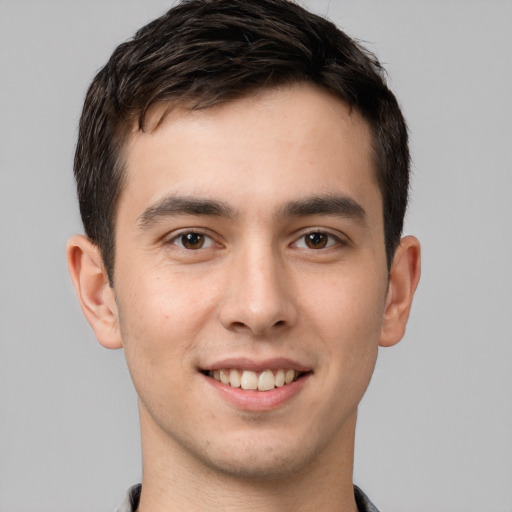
x,y
258,330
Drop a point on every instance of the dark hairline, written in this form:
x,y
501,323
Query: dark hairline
x,y
301,47
139,124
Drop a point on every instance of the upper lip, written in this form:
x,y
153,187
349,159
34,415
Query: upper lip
x,y
256,365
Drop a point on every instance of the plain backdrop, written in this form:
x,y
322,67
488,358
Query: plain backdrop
x,y
435,428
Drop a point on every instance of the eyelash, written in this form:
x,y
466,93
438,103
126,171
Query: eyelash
x,y
330,240
180,238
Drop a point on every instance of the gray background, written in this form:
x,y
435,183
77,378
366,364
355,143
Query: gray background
x,y
435,429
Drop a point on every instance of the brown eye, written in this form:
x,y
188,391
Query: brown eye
x,y
316,240
191,240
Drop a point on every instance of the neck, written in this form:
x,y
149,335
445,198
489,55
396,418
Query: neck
x,y
174,480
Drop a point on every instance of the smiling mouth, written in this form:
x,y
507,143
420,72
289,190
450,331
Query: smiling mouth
x,y
255,381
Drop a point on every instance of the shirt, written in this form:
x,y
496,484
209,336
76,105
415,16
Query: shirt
x,y
131,500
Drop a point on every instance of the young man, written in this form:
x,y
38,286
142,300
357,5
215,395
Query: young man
x,y
242,173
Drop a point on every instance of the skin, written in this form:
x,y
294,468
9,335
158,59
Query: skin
x,y
255,290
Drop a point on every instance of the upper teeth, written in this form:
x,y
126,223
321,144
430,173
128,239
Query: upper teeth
x,y
247,379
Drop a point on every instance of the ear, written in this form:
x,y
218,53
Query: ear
x,y
92,287
403,280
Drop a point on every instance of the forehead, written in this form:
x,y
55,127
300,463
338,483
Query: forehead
x,y
272,147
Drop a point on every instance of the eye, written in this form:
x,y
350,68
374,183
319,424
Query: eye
x,y
193,241
316,240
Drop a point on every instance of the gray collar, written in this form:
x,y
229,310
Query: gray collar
x,y
131,500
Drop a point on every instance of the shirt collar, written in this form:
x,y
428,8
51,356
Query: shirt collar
x,y
131,500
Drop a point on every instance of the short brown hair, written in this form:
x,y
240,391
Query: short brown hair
x,y
206,52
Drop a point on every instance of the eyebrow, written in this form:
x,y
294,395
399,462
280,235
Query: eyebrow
x,y
335,205
178,205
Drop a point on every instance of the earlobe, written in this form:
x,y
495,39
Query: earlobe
x,y
403,280
92,287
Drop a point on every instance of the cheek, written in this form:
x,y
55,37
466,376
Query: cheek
x,y
160,321
159,327
351,301
349,317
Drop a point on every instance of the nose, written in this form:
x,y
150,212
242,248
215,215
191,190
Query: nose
x,y
258,297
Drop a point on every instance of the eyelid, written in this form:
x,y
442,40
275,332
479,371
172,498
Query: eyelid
x,y
170,238
338,237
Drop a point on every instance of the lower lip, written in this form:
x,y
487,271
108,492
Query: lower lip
x,y
257,401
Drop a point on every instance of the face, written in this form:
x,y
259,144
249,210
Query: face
x,y
250,254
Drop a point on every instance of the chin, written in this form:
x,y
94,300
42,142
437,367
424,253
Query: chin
x,y
259,458
273,464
